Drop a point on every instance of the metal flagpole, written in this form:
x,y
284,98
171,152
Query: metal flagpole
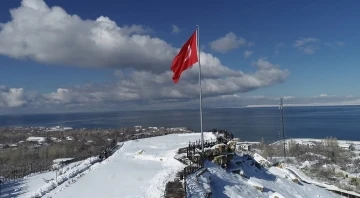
x,y
201,115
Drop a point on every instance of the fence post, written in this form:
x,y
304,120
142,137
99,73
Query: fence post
x,y
185,186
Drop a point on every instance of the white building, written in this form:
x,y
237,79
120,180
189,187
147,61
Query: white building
x,y
69,138
36,139
243,146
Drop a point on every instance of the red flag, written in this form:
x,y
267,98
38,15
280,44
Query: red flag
x,y
185,58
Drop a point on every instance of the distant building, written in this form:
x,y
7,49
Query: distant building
x,y
138,128
54,139
59,128
36,139
242,146
69,138
245,146
309,144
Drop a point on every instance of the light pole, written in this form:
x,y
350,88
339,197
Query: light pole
x,y
1,181
282,125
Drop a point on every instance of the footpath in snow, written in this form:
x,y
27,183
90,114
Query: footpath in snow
x,y
141,168
38,184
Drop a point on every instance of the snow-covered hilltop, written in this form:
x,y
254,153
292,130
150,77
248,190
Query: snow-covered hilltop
x,y
142,167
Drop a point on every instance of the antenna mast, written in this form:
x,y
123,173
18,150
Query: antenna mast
x,y
282,125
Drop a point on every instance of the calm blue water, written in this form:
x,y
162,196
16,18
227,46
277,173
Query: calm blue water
x,y
247,123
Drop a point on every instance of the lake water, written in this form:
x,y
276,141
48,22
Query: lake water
x,y
246,123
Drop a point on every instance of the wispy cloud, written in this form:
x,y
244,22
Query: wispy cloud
x,y
250,44
307,45
311,45
334,44
247,54
175,29
279,45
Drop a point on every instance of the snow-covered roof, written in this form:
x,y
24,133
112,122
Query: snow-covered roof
x,y
56,161
248,143
69,138
260,159
36,139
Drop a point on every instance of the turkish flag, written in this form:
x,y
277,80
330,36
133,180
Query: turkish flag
x,y
185,58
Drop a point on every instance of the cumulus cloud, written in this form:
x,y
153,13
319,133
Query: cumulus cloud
x,y
52,36
247,53
12,97
103,97
307,45
175,29
149,86
227,43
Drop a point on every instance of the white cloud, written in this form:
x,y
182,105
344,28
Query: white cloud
x,y
148,86
310,45
307,45
334,44
12,97
339,43
175,29
52,36
323,95
247,54
288,97
250,44
128,93
227,43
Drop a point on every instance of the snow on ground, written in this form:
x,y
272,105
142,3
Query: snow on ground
x,y
26,186
130,173
226,184
305,178
65,178
306,141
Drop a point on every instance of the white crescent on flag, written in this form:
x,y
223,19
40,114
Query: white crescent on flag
x,y
188,53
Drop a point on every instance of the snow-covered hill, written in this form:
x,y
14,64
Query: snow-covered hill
x,y
273,182
141,168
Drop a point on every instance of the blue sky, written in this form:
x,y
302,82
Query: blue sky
x,y
313,44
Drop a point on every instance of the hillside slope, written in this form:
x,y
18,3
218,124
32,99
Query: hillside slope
x,y
273,181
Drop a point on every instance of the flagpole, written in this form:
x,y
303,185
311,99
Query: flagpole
x,y
201,114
